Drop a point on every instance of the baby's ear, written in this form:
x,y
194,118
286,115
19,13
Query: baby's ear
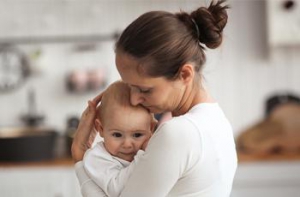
x,y
98,127
153,123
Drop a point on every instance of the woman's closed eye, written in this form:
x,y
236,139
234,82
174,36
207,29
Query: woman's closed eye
x,y
144,91
141,90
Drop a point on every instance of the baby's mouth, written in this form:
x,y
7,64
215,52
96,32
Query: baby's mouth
x,y
127,153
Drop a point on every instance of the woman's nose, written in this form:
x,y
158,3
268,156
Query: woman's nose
x,y
135,98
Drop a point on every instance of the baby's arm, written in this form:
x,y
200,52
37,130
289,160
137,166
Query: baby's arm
x,y
108,173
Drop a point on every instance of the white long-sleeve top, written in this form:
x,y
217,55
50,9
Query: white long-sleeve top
x,y
110,173
88,187
190,155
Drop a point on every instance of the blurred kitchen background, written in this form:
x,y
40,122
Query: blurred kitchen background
x,y
55,55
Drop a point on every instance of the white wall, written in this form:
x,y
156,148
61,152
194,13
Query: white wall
x,y
240,74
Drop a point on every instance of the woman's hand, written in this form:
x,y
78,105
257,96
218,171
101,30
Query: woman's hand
x,y
86,133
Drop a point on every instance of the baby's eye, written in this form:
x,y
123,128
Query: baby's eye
x,y
117,134
137,135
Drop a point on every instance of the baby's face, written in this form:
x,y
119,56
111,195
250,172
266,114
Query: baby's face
x,y
125,131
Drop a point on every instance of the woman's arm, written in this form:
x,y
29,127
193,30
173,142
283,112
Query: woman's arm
x,y
106,171
85,133
83,139
164,162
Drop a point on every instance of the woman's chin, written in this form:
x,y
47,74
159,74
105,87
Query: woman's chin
x,y
155,110
151,109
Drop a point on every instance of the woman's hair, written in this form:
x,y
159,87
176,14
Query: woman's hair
x,y
163,42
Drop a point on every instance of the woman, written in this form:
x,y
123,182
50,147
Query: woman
x,y
160,56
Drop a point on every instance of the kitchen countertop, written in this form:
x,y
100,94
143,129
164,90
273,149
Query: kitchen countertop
x,y
51,163
243,157
69,162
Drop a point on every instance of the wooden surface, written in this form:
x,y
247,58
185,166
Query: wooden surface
x,y
51,163
243,157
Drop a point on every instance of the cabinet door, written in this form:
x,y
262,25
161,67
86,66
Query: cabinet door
x,y
281,191
39,182
283,23
267,179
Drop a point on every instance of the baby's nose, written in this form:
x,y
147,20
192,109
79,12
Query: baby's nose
x,y
128,143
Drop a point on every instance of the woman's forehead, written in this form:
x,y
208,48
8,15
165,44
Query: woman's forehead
x,y
126,60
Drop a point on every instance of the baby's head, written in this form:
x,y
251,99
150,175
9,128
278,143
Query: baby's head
x,y
124,127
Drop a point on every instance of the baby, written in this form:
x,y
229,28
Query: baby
x,y
125,130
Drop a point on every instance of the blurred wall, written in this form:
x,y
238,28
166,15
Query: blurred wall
x,y
241,74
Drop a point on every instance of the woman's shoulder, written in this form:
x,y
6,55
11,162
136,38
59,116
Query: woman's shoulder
x,y
176,123
177,127
176,135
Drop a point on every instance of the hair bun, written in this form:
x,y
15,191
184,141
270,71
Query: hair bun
x,y
211,22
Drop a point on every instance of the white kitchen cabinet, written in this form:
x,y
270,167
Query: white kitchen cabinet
x,y
283,22
253,179
57,181
267,179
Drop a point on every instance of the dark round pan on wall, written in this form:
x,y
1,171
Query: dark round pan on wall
x,y
27,144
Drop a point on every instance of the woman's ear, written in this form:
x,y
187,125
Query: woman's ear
x,y
98,127
187,72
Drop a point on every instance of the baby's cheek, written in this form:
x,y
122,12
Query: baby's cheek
x,y
139,146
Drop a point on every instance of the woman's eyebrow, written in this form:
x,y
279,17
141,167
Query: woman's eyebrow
x,y
137,86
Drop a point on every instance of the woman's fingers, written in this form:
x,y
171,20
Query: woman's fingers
x,y
92,138
86,123
98,98
84,135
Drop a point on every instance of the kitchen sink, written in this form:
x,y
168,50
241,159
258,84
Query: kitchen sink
x,y
27,144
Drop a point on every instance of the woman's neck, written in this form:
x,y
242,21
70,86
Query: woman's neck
x,y
191,97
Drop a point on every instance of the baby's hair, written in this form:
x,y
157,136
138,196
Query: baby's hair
x,y
117,95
